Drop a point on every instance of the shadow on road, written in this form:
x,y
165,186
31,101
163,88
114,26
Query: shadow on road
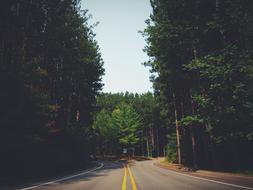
x,y
104,171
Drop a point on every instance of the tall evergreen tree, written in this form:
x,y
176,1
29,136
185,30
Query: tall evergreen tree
x,y
200,51
51,72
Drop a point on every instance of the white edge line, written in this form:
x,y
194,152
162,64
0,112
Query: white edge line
x,y
214,181
65,178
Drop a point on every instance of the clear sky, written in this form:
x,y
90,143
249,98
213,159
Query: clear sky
x,y
120,43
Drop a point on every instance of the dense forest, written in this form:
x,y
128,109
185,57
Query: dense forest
x,y
128,121
53,115
201,57
51,72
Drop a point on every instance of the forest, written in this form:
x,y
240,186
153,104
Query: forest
x,y
201,57
130,121
51,71
53,114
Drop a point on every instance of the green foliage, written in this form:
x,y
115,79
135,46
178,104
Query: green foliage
x,y
127,121
51,71
191,120
171,148
104,126
228,77
201,59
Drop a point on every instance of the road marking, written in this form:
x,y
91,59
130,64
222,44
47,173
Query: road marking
x,y
134,187
124,179
65,178
210,180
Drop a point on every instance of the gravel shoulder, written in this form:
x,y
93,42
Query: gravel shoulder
x,y
239,179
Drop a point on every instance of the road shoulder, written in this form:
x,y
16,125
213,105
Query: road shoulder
x,y
224,177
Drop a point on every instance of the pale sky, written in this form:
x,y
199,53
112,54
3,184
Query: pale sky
x,y
120,43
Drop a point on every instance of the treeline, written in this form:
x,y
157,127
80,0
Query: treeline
x,y
50,73
128,121
201,54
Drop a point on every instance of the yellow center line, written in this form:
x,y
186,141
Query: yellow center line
x,y
124,179
134,187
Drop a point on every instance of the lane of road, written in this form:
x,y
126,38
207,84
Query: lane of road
x,y
150,177
142,175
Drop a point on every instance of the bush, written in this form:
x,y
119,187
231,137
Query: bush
x,y
171,149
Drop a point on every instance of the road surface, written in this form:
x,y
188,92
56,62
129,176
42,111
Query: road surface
x,y
141,175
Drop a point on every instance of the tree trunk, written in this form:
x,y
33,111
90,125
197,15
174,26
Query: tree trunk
x,y
157,142
217,5
193,140
147,144
152,140
177,131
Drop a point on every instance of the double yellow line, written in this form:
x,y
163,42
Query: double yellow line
x,y
124,184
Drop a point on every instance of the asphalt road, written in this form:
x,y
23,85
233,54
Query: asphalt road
x,y
142,175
